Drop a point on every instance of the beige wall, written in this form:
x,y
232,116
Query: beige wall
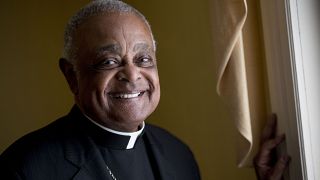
x,y
34,93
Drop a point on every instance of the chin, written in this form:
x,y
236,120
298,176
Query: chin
x,y
130,119
134,118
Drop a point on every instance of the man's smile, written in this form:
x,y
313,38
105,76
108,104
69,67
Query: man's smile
x,y
127,95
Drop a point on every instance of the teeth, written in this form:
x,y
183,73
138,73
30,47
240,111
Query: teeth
x,y
126,96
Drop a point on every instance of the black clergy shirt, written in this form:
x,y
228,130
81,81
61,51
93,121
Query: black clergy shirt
x,y
73,148
134,163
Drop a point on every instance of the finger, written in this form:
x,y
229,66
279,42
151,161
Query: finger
x,y
280,167
264,156
270,128
271,144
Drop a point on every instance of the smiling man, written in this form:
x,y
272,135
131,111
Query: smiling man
x,y
116,83
110,65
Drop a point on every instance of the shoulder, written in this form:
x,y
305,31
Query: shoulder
x,y
38,138
48,137
38,147
174,150
163,136
166,140
34,154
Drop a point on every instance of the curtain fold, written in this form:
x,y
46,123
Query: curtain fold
x,y
228,18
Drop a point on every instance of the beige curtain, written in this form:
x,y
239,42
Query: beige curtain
x,y
228,18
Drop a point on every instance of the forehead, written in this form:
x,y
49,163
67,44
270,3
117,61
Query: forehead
x,y
113,26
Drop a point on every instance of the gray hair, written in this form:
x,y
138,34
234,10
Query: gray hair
x,y
96,7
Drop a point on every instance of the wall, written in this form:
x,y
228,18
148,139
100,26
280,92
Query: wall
x,y
34,93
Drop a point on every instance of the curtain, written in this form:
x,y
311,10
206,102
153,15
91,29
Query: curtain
x,y
228,19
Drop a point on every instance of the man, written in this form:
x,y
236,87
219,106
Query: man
x,y
110,65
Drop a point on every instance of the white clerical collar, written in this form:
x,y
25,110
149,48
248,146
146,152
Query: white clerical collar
x,y
133,135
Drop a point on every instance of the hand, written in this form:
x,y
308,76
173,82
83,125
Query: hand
x,y
267,165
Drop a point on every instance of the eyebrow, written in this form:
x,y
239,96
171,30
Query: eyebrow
x,y
141,47
113,48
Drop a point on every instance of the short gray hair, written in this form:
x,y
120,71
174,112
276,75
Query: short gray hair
x,y
96,7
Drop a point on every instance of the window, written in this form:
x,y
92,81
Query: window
x,y
291,32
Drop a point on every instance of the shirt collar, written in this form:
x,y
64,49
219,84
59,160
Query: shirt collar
x,y
130,136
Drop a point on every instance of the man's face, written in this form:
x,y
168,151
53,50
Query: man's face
x,y
117,79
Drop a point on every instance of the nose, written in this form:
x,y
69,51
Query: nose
x,y
129,73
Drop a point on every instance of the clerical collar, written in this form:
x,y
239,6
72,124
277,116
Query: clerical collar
x,y
130,138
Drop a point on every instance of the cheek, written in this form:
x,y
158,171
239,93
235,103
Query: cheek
x,y
155,83
96,83
156,99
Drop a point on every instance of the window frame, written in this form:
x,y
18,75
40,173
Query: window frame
x,y
286,80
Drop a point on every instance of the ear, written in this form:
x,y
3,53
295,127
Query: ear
x,y
70,74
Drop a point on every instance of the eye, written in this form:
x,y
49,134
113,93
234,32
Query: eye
x,y
109,63
145,61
